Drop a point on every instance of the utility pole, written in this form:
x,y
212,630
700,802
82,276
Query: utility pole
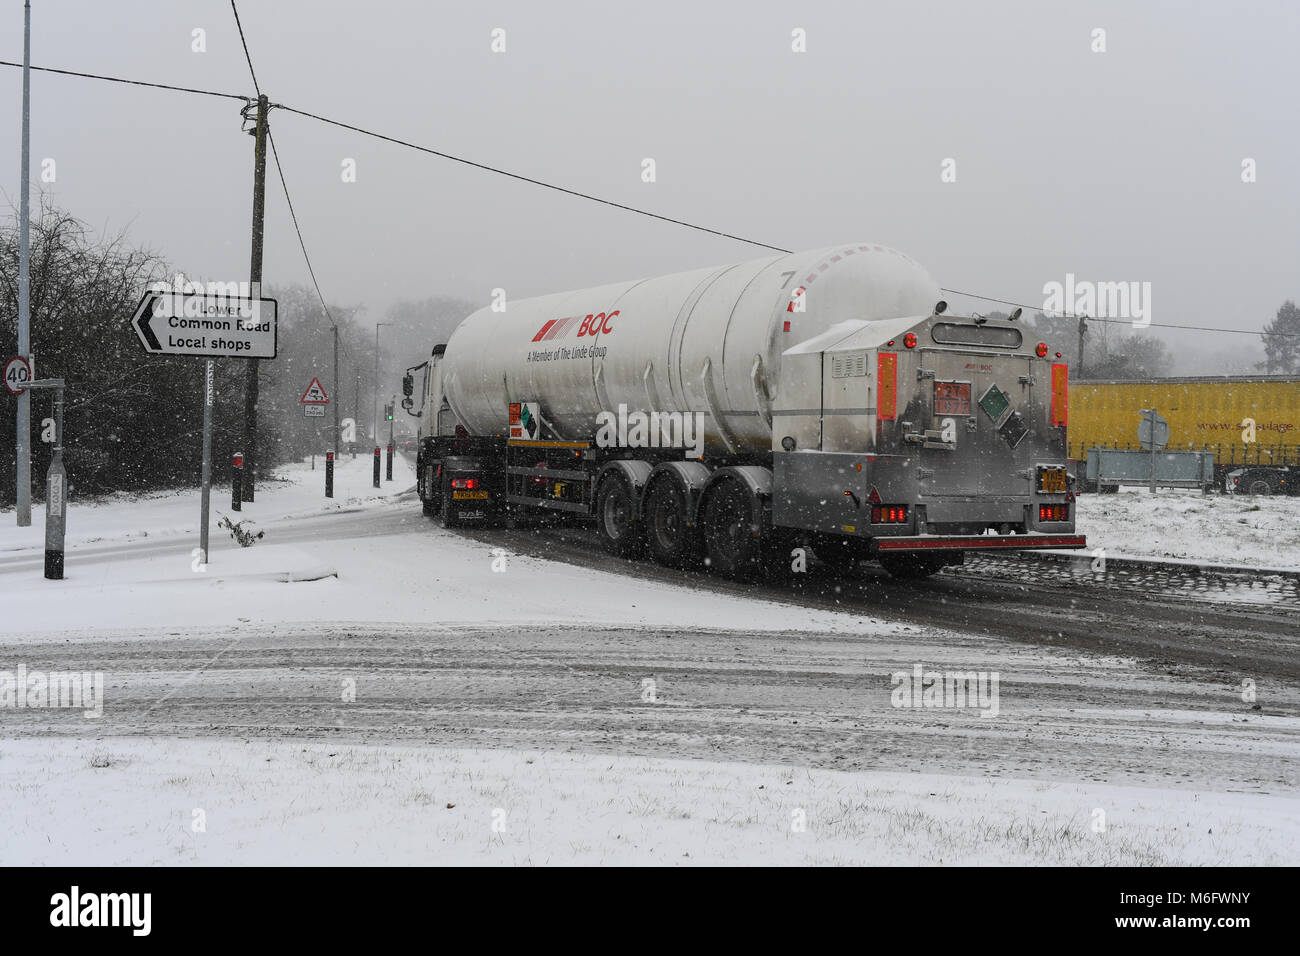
x,y
374,398
23,438
1083,331
338,392
255,281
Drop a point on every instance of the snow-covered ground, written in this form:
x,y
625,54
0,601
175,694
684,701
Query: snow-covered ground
x,y
131,570
138,802
1186,525
297,490
381,576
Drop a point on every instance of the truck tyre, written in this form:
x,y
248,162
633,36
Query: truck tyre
x,y
429,498
1259,487
620,532
911,566
733,544
667,525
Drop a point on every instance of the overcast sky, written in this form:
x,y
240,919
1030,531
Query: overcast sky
x,y
1121,165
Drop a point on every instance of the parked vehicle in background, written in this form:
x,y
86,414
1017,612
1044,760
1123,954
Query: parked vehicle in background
x,y
1264,480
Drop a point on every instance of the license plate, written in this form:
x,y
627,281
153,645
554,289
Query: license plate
x,y
1051,481
473,495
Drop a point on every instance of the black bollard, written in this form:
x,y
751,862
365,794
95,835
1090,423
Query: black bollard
x,y
388,475
237,482
329,474
376,466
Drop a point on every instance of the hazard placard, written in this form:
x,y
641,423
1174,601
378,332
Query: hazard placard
x,y
315,394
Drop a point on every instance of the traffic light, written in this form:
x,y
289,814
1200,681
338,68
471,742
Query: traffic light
x,y
388,413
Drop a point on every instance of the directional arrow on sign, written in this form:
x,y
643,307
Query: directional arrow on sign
x,y
212,326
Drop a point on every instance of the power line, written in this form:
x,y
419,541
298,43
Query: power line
x,y
1091,318
679,222
248,57
293,216
118,79
529,179
552,186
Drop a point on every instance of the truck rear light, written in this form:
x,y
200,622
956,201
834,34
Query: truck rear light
x,y
1041,349
889,514
1053,512
466,483
909,340
1060,411
886,386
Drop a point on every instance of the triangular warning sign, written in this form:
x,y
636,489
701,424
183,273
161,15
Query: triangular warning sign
x,y
315,395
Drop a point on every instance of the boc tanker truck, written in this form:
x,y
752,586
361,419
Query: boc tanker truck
x,y
726,416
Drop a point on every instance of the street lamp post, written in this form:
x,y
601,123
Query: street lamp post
x,y
374,412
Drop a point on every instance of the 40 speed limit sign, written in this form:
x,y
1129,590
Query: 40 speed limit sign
x,y
17,374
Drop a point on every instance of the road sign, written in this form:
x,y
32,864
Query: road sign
x,y
17,374
207,325
1161,432
314,411
315,395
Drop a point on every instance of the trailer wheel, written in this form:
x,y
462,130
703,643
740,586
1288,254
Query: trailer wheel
x,y
667,522
1259,487
909,565
732,543
616,519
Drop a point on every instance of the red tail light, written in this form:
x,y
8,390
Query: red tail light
x,y
909,340
1041,349
467,483
1053,512
889,514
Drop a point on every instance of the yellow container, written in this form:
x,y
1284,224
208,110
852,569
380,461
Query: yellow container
x,y
1202,413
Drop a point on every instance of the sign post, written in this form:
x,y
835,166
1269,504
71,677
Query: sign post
x,y
1153,433
56,486
209,381
206,325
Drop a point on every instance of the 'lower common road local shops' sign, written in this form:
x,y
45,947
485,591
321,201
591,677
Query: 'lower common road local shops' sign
x,y
214,326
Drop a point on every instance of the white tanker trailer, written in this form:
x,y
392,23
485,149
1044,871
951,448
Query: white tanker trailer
x,y
730,414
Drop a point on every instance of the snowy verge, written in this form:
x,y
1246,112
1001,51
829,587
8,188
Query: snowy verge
x,y
296,490
127,801
1187,526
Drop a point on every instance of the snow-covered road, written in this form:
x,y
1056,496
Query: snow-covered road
x,y
404,667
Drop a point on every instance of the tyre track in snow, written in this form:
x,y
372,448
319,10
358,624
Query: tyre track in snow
x,y
1095,683
797,698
